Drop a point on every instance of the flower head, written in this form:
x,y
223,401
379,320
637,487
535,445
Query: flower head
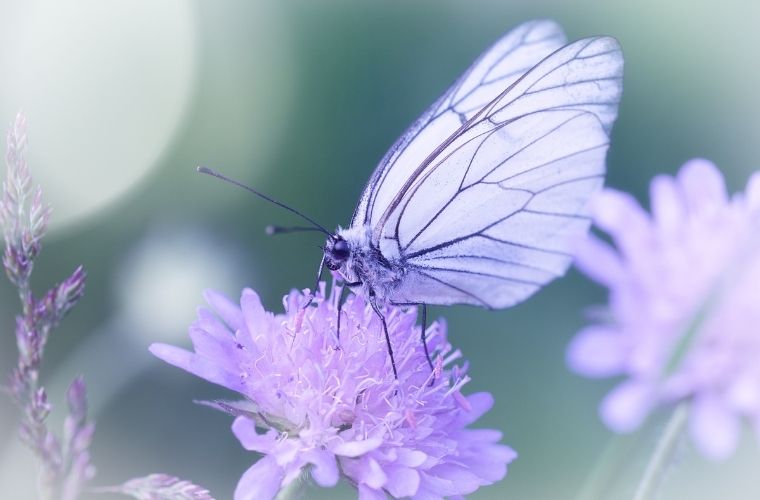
x,y
331,406
684,305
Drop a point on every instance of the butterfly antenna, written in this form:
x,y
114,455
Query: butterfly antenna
x,y
272,230
214,173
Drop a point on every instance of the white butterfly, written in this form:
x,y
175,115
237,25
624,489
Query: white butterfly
x,y
479,199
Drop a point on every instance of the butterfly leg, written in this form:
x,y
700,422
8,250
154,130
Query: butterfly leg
x,y
316,285
423,336
385,331
340,310
340,302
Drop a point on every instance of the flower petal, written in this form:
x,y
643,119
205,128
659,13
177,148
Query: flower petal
x,y
262,481
367,493
702,184
209,322
744,394
597,351
254,314
623,218
172,355
667,203
714,427
197,365
402,481
451,479
480,402
211,347
624,409
356,448
410,458
325,471
612,207
598,260
490,460
225,308
424,493
373,475
244,430
752,193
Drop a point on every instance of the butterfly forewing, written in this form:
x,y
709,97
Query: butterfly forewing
x,y
489,220
480,199
496,69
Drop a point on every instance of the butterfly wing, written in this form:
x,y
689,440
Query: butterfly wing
x,y
495,70
485,215
489,219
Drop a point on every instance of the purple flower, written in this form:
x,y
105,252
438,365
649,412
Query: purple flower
x,y
330,406
684,305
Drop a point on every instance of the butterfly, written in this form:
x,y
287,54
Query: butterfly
x,y
478,201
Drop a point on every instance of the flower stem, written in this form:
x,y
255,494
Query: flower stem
x,y
291,490
606,467
663,454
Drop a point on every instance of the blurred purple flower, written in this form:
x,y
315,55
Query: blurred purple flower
x,y
684,305
332,407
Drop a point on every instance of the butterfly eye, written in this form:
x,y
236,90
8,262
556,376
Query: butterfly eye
x,y
337,253
340,250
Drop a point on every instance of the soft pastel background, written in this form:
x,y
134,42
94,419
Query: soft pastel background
x,y
301,99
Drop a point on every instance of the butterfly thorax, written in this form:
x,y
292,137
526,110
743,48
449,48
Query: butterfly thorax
x,y
352,254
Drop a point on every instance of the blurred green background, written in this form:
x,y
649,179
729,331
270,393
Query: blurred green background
x,y
301,99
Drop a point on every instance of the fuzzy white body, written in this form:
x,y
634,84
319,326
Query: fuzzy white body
x,y
380,277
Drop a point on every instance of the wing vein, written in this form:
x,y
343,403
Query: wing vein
x,y
458,289
477,273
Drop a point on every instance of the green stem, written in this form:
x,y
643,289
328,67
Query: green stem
x,y
663,454
291,490
606,467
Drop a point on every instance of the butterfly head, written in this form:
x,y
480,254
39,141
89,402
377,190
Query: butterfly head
x,y
337,252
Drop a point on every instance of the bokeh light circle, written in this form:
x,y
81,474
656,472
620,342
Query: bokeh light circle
x,y
104,86
160,284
